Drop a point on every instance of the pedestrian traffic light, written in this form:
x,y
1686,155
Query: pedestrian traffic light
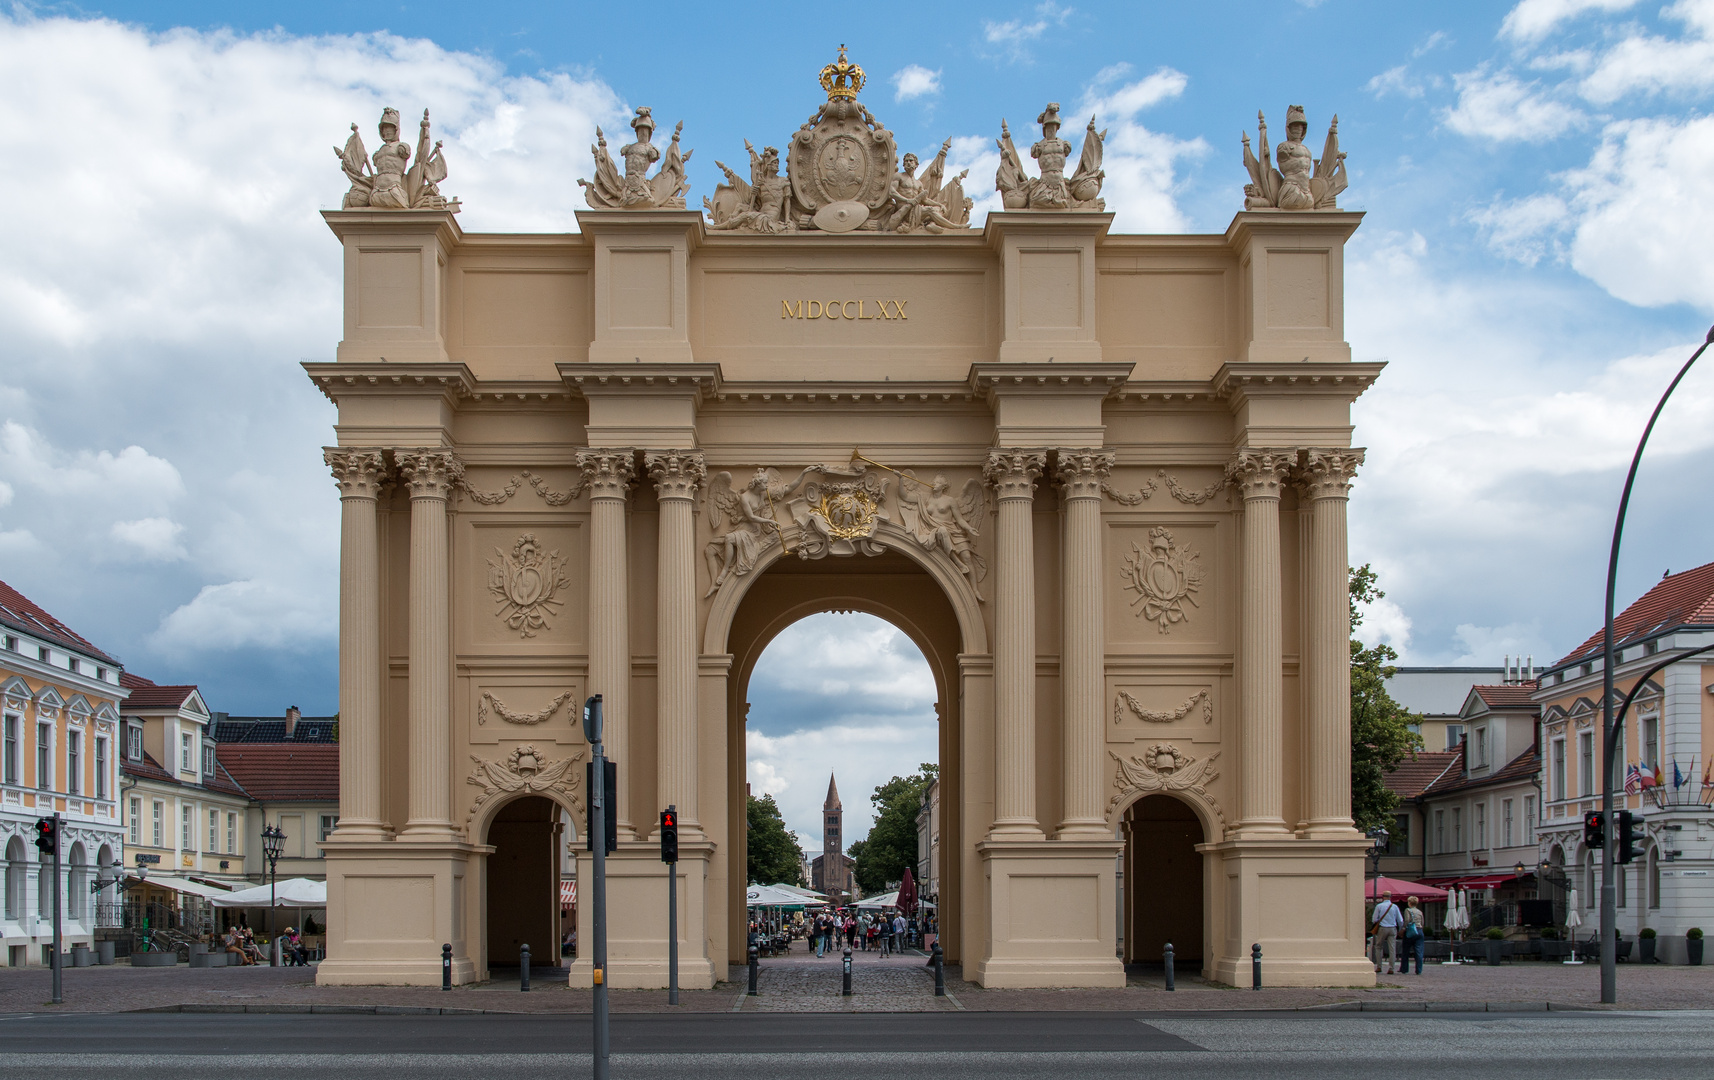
x,y
1594,835
47,834
669,835
1627,837
610,802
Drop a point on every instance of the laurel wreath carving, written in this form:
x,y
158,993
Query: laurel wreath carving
x,y
549,496
490,703
1179,491
1163,716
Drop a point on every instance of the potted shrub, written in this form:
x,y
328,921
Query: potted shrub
x,y
1496,943
1693,944
1645,946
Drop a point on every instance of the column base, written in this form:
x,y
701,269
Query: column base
x,y
637,918
391,906
1052,914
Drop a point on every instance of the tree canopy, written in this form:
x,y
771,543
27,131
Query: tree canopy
x,y
892,841
1381,732
775,856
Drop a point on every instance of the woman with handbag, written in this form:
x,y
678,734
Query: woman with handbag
x,y
1414,936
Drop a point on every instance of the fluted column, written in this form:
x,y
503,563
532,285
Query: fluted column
x,y
1325,481
1082,661
678,476
430,475
1014,472
1258,475
608,474
359,474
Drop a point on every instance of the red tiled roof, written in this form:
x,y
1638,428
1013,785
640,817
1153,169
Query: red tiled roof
x,y
1521,767
147,769
24,615
1511,696
1417,772
152,696
1685,599
131,682
275,772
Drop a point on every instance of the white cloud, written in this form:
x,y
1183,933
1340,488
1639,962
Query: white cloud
x,y
1532,19
1526,229
1431,42
1500,108
1141,164
1647,64
1013,36
155,539
915,81
1384,622
247,613
1486,646
1394,80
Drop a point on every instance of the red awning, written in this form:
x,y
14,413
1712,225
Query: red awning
x,y
1480,881
1401,889
568,894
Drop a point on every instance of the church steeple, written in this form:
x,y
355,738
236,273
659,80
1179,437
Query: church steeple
x,y
832,802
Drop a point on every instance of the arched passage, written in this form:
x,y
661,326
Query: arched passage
x,y
1164,882
522,882
906,593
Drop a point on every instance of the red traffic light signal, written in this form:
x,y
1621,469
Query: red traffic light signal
x,y
1594,834
47,834
669,835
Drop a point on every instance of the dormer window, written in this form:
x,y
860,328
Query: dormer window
x,y
207,759
187,759
1481,747
133,742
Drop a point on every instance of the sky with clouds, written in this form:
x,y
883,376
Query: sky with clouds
x,y
1533,267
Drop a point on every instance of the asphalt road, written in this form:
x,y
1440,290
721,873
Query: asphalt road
x,y
978,1046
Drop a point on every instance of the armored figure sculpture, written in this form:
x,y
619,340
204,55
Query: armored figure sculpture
x,y
926,203
636,190
1051,191
1301,182
762,205
385,182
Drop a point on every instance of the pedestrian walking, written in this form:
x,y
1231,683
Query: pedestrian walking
x,y
898,933
1385,922
863,924
1414,936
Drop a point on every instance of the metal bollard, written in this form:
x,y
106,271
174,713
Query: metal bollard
x,y
1256,966
755,965
1167,955
524,968
939,960
846,991
446,967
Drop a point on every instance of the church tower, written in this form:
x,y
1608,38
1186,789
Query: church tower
x,y
832,835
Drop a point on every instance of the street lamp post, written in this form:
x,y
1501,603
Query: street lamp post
x,y
273,842
1609,733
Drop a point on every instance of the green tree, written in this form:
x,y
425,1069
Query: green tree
x,y
1381,732
775,857
892,841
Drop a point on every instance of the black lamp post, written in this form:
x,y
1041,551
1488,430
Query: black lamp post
x,y
1609,731
273,842
1378,837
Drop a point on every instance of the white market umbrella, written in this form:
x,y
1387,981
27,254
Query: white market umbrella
x,y
876,903
808,894
1573,912
293,893
768,896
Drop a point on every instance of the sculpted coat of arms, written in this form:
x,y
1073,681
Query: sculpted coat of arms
x,y
526,584
1164,767
525,771
838,514
1163,579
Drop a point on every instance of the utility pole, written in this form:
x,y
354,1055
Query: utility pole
x,y
598,848
669,855
48,841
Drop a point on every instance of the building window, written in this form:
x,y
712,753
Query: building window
x,y
187,762
12,753
187,840
231,834
1454,735
1398,842
1654,877
74,763
155,834
1586,763
1621,878
43,654
328,821
1439,831
134,742
10,642
1481,823
207,759
1651,739
1529,819
44,756
1557,780
100,674
136,821
1481,747
1651,647
1506,821
100,767
214,830
1457,828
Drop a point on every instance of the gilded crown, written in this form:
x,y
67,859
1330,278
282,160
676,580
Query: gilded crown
x,y
842,78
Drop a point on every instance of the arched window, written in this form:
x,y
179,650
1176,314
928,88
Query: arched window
x,y
15,878
77,885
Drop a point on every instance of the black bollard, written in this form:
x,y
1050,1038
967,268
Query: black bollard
x,y
1256,966
754,967
939,961
1166,954
446,967
846,992
524,968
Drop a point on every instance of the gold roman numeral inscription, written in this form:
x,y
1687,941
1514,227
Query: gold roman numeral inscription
x,y
855,310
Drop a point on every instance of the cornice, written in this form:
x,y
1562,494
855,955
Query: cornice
x,y
991,380
1247,224
1250,379
1036,222
368,378
690,223
346,223
593,380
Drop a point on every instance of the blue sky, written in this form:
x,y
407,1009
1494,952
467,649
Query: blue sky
x,y
1533,265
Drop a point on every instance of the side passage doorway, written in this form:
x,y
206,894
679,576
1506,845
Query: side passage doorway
x,y
523,882
1163,883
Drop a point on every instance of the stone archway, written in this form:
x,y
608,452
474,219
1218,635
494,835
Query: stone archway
x,y
1165,894
521,882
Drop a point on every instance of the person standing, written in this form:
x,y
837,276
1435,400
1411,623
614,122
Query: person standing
x,y
863,930
899,933
1385,921
1414,936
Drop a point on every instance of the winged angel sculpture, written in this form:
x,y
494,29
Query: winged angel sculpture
x,y
946,523
749,518
384,182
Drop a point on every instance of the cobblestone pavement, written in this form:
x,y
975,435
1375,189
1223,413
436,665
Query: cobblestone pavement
x,y
797,982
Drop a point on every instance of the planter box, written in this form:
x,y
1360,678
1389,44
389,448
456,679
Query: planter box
x,y
1435,950
81,956
1693,949
1555,950
210,959
1645,950
104,952
154,959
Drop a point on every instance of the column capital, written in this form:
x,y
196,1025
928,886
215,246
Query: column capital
x,y
1259,472
1327,473
676,473
608,471
1082,473
1014,471
359,472
430,472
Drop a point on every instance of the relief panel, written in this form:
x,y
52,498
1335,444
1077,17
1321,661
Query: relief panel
x,y
1297,290
1163,589
526,585
1142,707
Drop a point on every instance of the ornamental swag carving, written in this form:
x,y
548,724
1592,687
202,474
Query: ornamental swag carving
x,y
1163,579
1162,768
1164,716
549,495
490,703
1188,496
525,771
525,583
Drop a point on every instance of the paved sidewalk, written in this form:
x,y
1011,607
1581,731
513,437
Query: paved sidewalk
x,y
800,983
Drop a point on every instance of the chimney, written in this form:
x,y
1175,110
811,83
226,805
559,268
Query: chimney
x,y
292,716
1506,670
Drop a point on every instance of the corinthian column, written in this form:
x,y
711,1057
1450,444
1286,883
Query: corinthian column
x,y
1013,472
430,475
1326,485
359,475
677,475
1258,474
1082,662
608,474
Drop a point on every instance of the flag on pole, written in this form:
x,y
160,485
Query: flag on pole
x,y
1659,776
1677,777
1633,780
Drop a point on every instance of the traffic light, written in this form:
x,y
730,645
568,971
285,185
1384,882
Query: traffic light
x,y
47,834
611,804
669,835
1594,835
1627,837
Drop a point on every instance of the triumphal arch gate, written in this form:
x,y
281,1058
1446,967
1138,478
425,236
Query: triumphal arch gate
x,y
1099,479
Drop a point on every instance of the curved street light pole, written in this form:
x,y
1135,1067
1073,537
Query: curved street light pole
x,y
1609,733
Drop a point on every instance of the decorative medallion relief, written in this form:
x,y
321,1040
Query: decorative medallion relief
x,y
1165,768
943,522
525,583
1163,580
491,704
525,771
1200,703
839,513
549,496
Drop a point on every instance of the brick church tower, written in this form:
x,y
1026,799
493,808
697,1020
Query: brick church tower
x,y
830,872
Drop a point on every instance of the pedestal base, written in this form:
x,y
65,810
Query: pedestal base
x,y
1300,899
390,908
637,918
1052,914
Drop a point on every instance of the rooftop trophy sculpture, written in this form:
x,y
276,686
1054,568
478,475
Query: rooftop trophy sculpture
x,y
636,190
1301,182
388,184
841,176
1052,191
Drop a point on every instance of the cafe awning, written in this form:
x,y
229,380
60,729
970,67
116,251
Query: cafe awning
x,y
180,885
568,894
